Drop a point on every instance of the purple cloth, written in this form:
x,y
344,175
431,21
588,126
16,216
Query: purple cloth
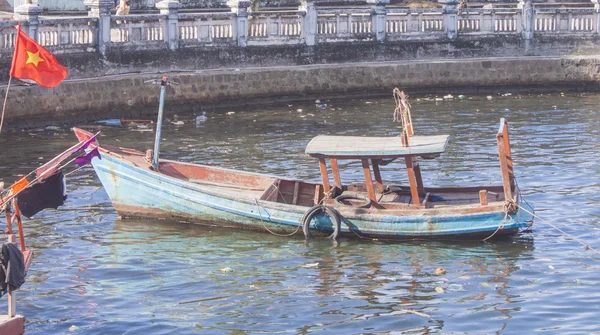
x,y
87,158
86,144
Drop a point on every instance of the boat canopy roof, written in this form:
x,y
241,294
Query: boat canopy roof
x,y
358,147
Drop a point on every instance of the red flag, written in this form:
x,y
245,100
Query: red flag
x,y
33,61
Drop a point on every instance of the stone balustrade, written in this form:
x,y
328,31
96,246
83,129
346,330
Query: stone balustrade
x,y
101,31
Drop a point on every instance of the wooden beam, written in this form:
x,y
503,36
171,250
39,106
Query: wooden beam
x,y
504,168
19,226
483,201
324,176
412,180
509,162
336,173
419,179
369,180
377,173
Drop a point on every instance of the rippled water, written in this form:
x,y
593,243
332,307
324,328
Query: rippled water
x,y
94,274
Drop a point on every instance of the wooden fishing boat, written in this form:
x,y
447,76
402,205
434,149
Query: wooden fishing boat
x,y
139,186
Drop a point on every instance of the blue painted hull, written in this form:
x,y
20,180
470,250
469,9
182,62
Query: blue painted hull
x,y
140,192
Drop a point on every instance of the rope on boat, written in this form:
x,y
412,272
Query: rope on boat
x,y
327,210
509,207
587,246
270,231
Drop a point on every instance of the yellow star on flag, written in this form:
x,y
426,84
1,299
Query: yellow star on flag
x,y
34,58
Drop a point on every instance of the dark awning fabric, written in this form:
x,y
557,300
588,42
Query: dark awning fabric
x,y
49,193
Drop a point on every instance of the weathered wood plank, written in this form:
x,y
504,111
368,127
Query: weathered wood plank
x,y
324,176
336,173
412,180
369,180
368,147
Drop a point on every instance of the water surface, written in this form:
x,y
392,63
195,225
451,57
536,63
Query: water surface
x,y
95,274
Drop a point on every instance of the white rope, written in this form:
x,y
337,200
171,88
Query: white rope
x,y
267,229
587,246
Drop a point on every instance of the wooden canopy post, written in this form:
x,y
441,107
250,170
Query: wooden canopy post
x,y
377,173
412,180
324,176
418,177
505,159
368,180
335,169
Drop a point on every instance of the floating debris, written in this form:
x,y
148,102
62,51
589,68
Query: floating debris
x,y
201,118
440,271
410,311
310,265
448,97
455,287
439,289
489,97
227,269
551,267
585,282
204,299
299,110
461,97
178,123
485,284
111,122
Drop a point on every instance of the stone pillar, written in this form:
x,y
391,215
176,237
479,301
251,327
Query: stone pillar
x,y
240,30
597,8
378,16
170,8
102,10
30,13
450,13
527,23
309,26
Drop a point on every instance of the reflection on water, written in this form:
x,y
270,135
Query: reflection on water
x,y
94,274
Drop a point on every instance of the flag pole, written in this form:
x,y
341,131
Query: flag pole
x,y
12,66
4,105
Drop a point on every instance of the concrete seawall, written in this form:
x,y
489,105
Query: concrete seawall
x,y
129,96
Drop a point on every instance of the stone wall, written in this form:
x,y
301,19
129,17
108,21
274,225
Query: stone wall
x,y
129,96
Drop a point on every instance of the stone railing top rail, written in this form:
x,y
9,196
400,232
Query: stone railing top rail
x,y
194,16
61,20
145,17
9,23
362,11
273,13
565,10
